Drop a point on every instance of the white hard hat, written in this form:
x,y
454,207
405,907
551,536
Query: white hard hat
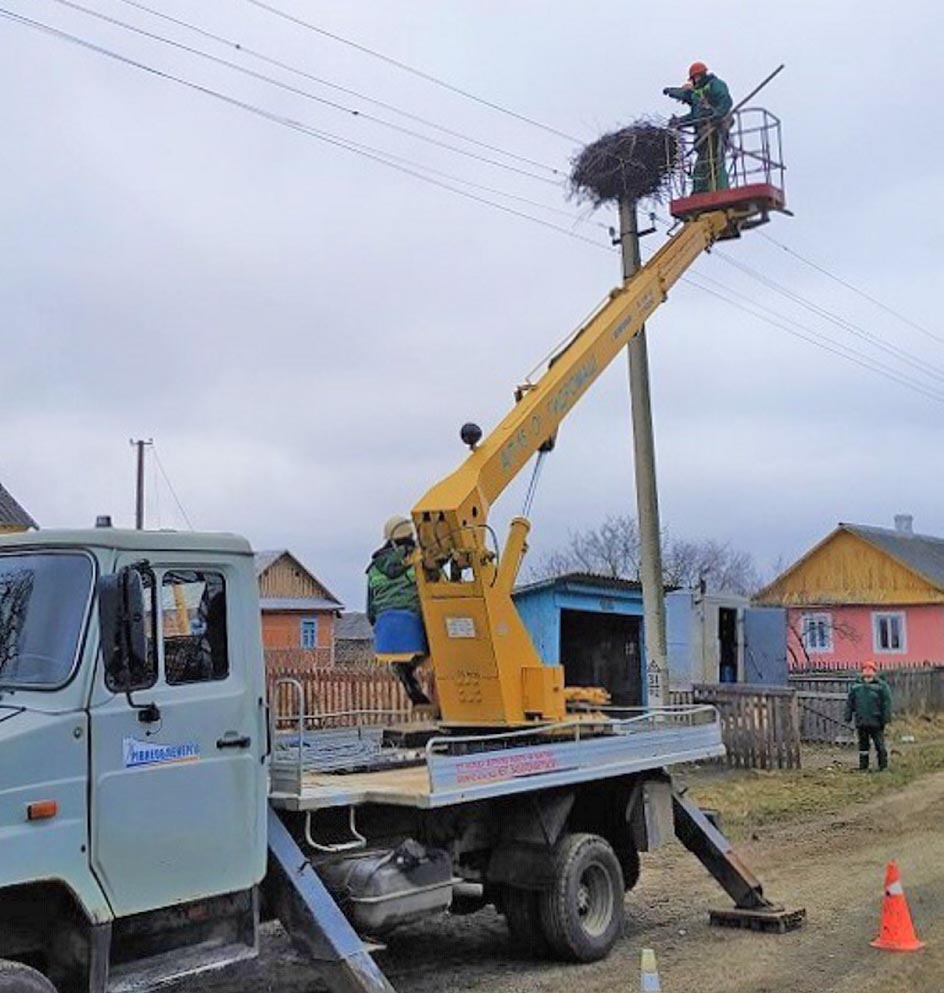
x,y
398,528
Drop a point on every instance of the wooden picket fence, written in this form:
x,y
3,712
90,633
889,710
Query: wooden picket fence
x,y
760,725
364,695
822,699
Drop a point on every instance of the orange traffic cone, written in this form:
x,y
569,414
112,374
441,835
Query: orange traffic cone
x,y
897,933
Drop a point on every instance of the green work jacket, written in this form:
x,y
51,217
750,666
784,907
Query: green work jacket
x,y
870,703
710,100
391,582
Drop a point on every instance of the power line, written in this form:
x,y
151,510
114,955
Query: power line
x,y
307,94
170,486
414,71
286,122
826,344
288,67
904,356
855,289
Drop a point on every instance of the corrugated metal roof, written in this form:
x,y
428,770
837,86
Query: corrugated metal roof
x,y
12,513
298,603
921,553
353,626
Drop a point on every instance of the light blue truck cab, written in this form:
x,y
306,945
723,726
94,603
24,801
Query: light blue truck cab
x,y
115,805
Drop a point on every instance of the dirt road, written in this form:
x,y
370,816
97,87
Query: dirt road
x,y
833,866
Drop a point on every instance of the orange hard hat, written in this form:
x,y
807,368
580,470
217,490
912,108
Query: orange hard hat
x,y
868,666
697,69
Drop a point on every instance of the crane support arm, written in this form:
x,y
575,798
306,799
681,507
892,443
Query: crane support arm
x,y
488,673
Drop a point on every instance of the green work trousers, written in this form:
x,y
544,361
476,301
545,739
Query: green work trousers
x,y
877,736
710,172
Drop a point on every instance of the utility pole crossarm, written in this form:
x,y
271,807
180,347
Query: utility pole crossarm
x,y
476,484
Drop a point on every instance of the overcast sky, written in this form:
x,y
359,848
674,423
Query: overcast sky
x,y
303,330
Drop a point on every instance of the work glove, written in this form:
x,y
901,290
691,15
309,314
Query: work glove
x,y
667,91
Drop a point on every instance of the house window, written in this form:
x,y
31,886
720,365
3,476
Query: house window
x,y
888,632
818,632
309,632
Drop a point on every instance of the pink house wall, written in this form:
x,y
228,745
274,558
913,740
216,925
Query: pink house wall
x,y
853,638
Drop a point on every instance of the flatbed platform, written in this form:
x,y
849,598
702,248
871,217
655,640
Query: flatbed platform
x,y
460,769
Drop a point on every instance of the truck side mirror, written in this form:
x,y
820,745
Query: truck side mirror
x,y
121,618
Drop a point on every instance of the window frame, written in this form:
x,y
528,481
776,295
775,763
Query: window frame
x,y
201,570
303,621
816,617
882,615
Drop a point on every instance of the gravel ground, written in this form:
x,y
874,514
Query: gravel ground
x,y
833,865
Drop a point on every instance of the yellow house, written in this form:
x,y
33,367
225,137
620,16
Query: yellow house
x,y
864,593
12,516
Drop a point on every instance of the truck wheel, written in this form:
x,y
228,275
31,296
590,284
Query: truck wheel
x,y
582,912
18,978
523,915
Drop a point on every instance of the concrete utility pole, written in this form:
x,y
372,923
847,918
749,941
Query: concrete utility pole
x,y
647,494
139,483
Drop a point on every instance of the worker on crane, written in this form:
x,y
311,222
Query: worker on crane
x,y
710,103
391,578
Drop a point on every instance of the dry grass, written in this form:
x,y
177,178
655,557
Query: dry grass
x,y
829,781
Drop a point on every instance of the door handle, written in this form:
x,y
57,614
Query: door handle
x,y
244,742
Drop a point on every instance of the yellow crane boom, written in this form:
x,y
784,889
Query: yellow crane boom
x,y
487,670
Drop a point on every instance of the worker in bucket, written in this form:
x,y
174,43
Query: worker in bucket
x,y
391,578
710,103
870,703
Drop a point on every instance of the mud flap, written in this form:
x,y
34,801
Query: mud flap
x,y
314,921
751,908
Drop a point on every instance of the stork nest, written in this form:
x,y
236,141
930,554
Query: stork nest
x,y
633,163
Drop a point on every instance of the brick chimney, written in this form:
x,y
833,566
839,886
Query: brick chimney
x,y
904,523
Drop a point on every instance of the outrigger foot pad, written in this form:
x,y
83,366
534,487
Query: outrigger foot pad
x,y
777,920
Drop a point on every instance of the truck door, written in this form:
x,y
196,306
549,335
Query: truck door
x,y
178,800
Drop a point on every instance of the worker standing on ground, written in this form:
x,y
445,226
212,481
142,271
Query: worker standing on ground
x,y
711,103
870,703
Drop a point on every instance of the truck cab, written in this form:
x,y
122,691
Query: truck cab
x,y
130,800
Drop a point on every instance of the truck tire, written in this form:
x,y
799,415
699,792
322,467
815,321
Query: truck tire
x,y
523,916
582,912
18,978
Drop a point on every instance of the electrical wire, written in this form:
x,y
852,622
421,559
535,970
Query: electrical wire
x,y
286,122
920,365
855,289
170,486
429,77
288,67
306,94
809,336
827,344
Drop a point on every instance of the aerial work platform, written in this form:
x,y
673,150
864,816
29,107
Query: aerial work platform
x,y
750,144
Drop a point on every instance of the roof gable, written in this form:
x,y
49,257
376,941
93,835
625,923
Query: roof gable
x,y
282,576
857,564
12,515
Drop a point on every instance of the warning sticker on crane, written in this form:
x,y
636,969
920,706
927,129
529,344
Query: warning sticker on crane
x,y
460,627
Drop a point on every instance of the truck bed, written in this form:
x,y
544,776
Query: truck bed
x,y
459,769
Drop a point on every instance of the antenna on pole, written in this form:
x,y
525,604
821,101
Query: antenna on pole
x,y
140,445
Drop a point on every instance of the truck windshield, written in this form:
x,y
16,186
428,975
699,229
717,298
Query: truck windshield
x,y
43,600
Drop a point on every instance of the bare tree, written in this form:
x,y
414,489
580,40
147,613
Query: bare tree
x,y
613,549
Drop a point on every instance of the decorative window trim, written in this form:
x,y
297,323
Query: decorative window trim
x,y
880,615
819,617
